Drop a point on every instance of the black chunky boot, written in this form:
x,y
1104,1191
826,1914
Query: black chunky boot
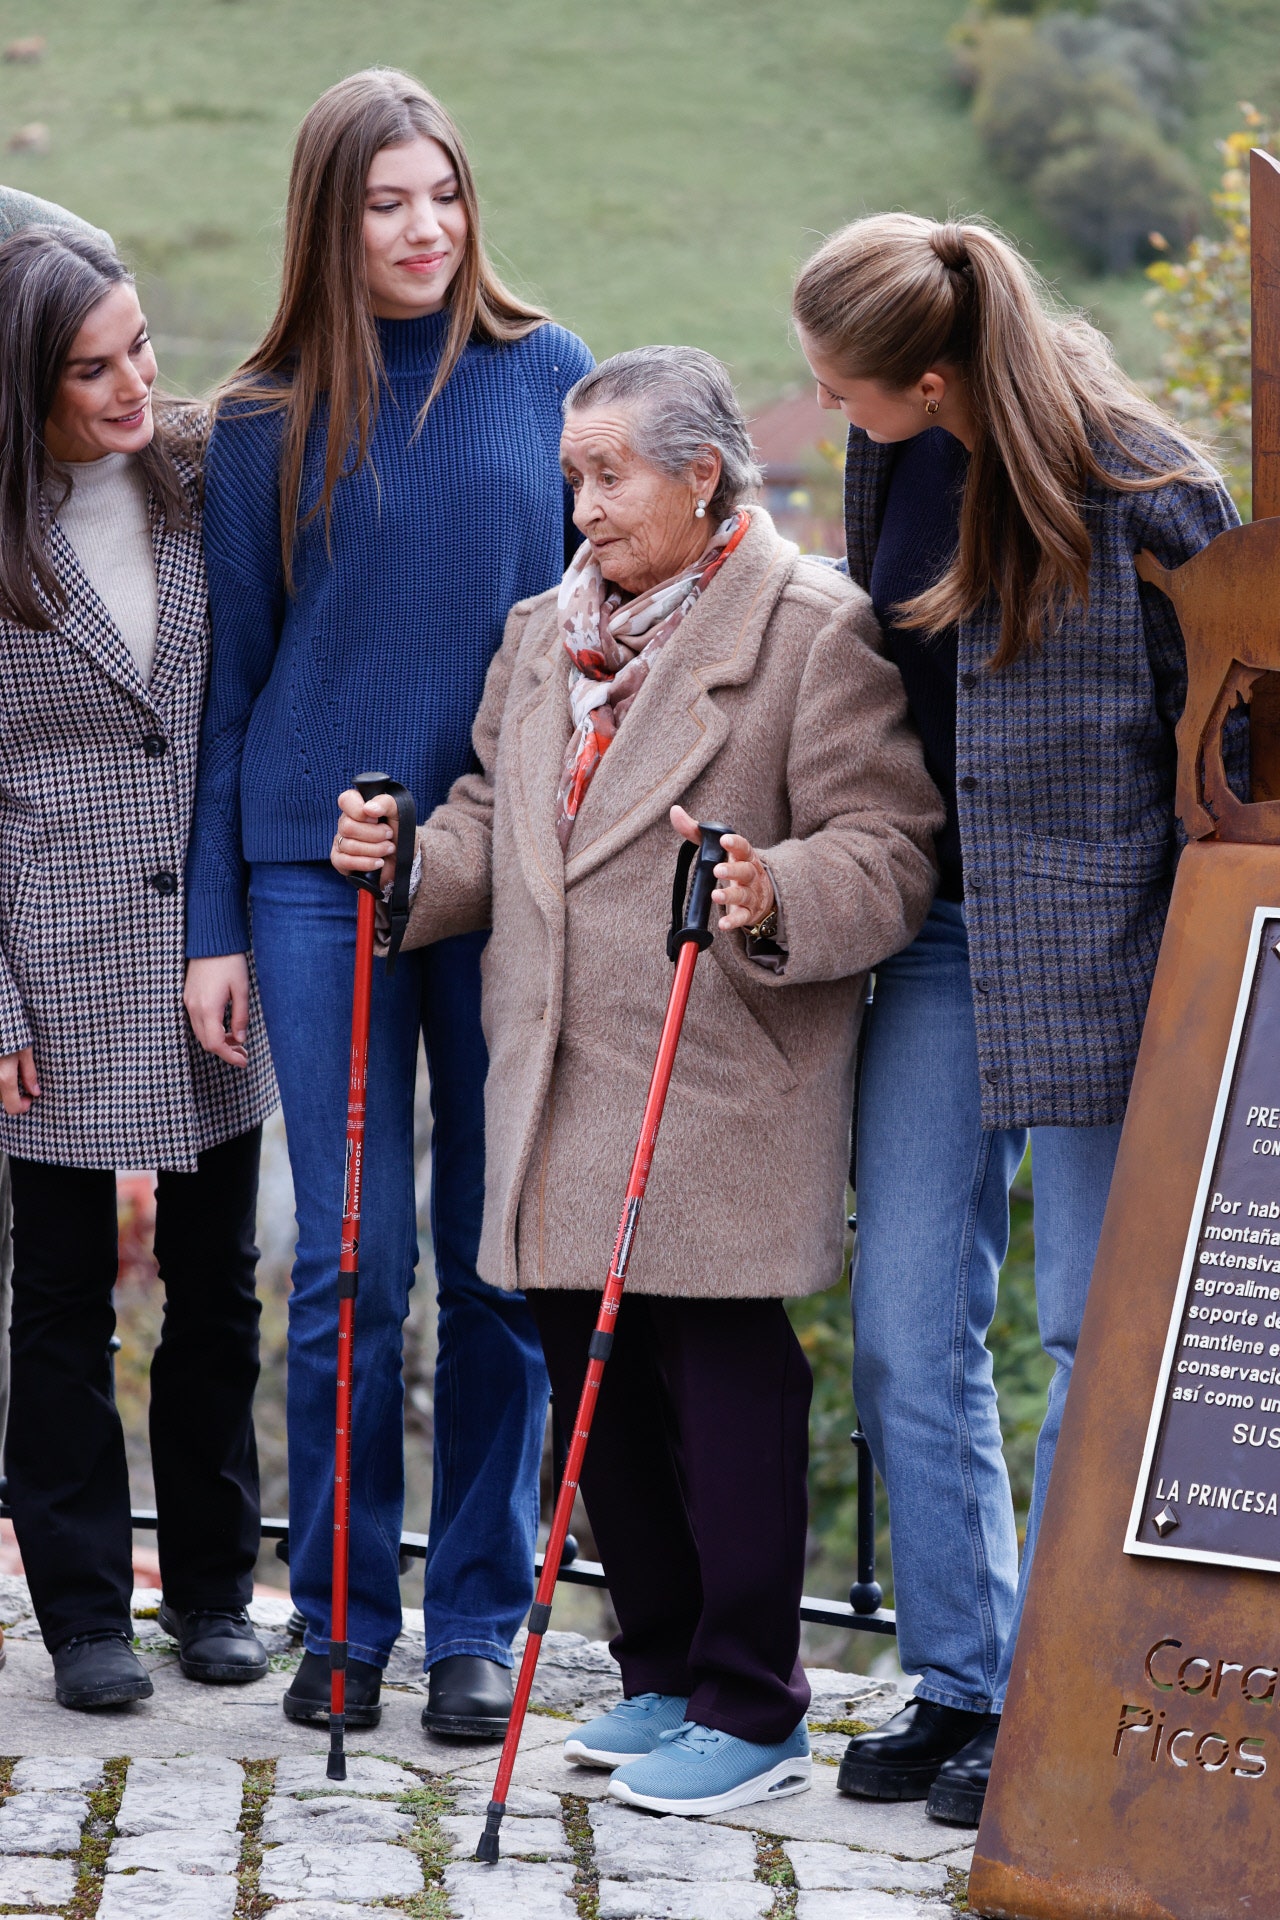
x,y
901,1759
961,1786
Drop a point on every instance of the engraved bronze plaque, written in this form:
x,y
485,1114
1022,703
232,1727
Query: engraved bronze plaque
x,y
1209,1485
1137,1773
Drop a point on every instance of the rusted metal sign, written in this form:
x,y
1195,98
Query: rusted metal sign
x,y
1137,1774
1209,1487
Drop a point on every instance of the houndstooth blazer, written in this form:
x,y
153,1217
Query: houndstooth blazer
x,y
1065,766
97,774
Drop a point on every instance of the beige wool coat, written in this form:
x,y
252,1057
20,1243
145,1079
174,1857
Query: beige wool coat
x,y
771,710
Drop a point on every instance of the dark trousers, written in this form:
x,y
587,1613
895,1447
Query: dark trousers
x,y
64,1457
694,1482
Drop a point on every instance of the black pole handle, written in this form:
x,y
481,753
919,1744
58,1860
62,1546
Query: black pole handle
x,y
369,786
691,918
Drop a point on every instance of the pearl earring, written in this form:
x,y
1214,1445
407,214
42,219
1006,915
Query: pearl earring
x,y
700,511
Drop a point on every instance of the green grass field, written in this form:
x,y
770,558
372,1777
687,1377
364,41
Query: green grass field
x,y
651,171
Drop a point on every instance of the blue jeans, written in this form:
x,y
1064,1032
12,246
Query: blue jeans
x,y
490,1383
933,1230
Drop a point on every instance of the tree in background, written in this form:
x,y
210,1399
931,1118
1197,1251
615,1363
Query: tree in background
x,y
1084,106
1201,305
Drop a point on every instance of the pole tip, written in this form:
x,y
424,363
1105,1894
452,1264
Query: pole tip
x,y
487,1845
337,1767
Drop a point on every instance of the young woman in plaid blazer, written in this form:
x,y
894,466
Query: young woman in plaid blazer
x,y
103,655
1001,476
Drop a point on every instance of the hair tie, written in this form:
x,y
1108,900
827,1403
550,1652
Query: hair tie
x,y
949,244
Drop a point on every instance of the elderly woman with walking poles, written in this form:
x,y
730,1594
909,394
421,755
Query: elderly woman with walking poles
x,y
691,664
383,484
104,646
1002,474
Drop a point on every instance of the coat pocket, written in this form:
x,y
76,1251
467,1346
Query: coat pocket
x,y
19,914
1099,863
727,1049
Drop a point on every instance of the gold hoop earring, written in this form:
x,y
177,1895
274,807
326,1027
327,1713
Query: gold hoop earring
x,y
931,406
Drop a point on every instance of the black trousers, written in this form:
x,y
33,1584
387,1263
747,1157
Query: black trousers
x,y
695,1485
64,1456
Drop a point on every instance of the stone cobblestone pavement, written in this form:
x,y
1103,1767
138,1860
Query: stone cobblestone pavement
x,y
206,1804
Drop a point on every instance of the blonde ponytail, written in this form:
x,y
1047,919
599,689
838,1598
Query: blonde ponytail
x,y
890,297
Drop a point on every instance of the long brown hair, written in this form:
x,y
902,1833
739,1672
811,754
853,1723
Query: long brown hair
x,y
51,279
892,296
322,344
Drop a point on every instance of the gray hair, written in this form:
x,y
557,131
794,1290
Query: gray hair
x,y
686,402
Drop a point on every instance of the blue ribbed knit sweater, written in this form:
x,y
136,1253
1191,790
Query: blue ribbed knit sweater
x,y
378,659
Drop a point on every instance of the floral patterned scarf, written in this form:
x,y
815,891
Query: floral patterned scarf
x,y
612,643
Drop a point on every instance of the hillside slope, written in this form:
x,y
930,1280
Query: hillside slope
x,y
653,171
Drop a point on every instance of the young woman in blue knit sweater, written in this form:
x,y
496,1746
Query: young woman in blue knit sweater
x,y
383,484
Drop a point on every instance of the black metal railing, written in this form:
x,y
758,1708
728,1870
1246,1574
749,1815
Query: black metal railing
x,y
862,1611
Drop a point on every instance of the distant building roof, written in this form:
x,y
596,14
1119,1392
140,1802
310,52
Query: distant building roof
x,y
786,433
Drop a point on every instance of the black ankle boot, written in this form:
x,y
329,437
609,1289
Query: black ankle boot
x,y
961,1786
99,1670
218,1646
468,1698
308,1696
900,1760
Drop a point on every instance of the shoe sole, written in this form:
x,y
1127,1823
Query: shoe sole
x,y
885,1783
229,1676
958,1806
789,1776
461,1726
598,1756
314,1713
89,1700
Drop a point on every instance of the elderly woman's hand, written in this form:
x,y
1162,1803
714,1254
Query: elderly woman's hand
x,y
365,838
745,890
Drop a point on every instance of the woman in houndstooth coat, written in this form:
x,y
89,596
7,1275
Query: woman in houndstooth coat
x,y
103,660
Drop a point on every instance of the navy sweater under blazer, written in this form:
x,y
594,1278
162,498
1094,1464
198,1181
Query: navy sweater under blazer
x,y
378,659
1065,765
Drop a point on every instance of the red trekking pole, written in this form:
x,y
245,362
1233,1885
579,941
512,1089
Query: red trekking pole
x,y
690,934
367,786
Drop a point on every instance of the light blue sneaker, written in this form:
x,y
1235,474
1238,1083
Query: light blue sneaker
x,y
628,1731
700,1770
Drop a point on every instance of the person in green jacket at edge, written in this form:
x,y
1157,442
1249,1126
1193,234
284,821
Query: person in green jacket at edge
x,y
18,210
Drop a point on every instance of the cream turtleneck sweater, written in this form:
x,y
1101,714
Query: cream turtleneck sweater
x,y
107,520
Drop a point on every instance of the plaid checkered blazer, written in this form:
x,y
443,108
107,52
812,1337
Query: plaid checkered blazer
x,y
1065,767
97,774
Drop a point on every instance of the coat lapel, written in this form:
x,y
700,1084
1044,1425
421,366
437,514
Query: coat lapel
x,y
542,724
181,602
87,624
867,467
179,587
676,727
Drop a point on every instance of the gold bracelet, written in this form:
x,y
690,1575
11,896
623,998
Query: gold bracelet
x,y
766,926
